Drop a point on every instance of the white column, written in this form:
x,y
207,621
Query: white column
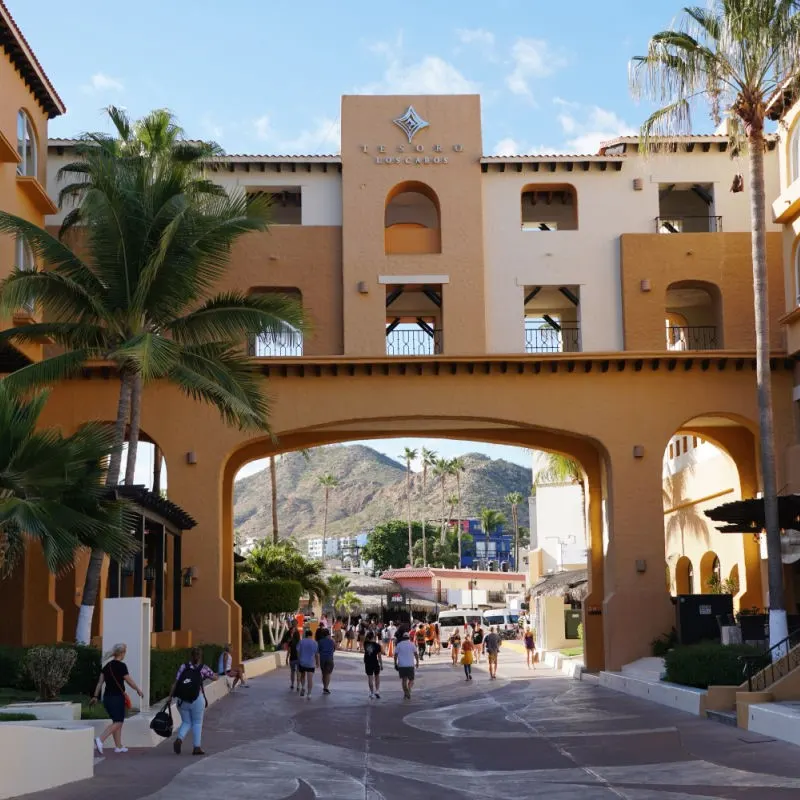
x,y
128,620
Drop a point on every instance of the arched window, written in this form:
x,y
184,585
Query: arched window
x,y
797,272
24,259
693,314
794,153
412,220
26,145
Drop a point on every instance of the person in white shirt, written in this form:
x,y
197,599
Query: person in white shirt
x,y
406,658
225,667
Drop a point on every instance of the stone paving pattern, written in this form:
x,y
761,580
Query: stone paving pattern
x,y
524,735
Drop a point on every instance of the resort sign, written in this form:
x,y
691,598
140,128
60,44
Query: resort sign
x,y
411,123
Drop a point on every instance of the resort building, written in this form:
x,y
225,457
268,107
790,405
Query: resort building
x,y
596,305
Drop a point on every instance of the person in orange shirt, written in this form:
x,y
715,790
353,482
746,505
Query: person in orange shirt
x,y
300,619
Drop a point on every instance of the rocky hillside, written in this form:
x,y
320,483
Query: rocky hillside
x,y
372,489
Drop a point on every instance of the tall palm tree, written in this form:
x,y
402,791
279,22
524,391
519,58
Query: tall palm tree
x,y
409,454
491,520
514,499
328,482
338,586
428,458
458,465
267,561
558,468
737,55
154,237
52,489
441,469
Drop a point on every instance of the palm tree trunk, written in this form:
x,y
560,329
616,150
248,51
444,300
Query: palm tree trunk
x,y
133,430
458,492
91,583
778,629
410,529
325,524
444,506
424,520
515,519
273,483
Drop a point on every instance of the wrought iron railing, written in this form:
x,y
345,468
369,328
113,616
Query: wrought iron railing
x,y
692,337
413,342
286,344
689,224
762,670
547,339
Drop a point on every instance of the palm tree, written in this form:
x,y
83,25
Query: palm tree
x,y
347,604
52,489
559,468
149,312
514,499
491,520
409,454
338,586
458,465
428,458
441,469
328,482
267,561
737,55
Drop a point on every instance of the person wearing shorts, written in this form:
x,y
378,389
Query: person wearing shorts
x,y
326,648
530,648
406,657
291,657
308,661
373,664
420,634
491,646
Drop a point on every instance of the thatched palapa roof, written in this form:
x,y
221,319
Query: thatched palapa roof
x,y
572,584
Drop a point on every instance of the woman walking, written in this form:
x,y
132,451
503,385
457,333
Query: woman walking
x,y
467,650
188,689
114,676
373,664
455,646
530,648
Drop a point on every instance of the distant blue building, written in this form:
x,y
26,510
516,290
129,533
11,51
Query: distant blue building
x,y
474,554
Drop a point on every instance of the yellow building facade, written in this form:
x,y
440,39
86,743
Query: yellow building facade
x,y
517,300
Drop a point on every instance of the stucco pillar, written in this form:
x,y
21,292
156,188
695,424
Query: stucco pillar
x,y
594,657
42,620
637,607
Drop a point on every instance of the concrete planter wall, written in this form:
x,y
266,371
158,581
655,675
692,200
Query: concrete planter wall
x,y
54,710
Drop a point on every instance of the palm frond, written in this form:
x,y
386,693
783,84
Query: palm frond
x,y
47,372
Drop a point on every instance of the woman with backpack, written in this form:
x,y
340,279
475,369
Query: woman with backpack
x,y
188,689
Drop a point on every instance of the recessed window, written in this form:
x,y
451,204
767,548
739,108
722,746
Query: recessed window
x,y
26,145
794,154
24,259
286,203
549,207
677,447
537,225
797,273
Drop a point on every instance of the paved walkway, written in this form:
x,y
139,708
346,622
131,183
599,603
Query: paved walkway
x,y
524,735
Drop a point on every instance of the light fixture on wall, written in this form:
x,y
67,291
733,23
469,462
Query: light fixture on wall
x,y
191,457
149,573
644,285
362,287
641,565
189,575
638,184
638,451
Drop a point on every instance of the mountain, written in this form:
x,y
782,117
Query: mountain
x,y
372,489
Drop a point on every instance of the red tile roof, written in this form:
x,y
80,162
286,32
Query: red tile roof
x,y
435,572
16,47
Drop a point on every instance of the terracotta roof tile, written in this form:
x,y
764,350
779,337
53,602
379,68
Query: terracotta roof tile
x,y
21,54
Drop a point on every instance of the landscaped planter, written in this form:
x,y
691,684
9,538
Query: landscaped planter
x,y
53,710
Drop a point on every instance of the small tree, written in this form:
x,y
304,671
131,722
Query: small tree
x,y
50,668
267,603
347,604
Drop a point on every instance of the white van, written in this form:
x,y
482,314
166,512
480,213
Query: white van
x,y
506,620
457,618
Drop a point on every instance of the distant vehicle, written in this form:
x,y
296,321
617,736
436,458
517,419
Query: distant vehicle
x,y
457,619
506,620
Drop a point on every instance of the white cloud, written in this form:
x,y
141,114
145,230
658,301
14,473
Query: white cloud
x,y
100,82
475,36
323,137
513,147
429,75
507,147
532,59
586,127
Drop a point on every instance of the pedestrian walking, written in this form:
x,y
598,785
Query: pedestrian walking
x,y
226,668
373,664
308,661
361,633
406,658
192,703
467,657
477,640
430,639
114,675
455,646
420,636
437,638
530,648
338,633
326,648
287,635
291,655
350,636
491,646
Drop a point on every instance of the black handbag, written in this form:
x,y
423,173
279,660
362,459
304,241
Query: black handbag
x,y
161,724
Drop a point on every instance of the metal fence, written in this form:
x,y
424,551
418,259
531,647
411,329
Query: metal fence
x,y
547,339
286,344
689,224
413,342
692,337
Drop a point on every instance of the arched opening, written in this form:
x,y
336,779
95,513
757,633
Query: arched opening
x,y
732,585
284,342
693,316
687,208
710,573
684,576
25,260
412,220
793,160
549,207
27,146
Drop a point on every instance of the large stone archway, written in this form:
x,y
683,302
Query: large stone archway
x,y
612,413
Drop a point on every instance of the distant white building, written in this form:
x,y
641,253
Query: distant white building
x,y
558,529
336,545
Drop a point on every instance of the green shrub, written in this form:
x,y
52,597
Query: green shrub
x,y
12,672
86,671
16,717
661,646
50,668
164,666
709,664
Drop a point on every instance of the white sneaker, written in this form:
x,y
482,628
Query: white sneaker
x,y
371,695
120,749
98,744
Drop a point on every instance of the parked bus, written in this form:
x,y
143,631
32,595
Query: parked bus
x,y
457,618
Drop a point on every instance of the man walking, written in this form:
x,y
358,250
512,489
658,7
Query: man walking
x,y
308,659
326,647
406,657
477,640
491,646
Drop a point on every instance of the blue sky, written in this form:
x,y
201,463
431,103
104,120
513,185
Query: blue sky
x,y
266,77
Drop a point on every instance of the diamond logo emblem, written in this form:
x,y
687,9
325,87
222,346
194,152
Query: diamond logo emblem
x,y
411,123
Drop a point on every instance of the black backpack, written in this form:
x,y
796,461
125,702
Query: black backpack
x,y
190,684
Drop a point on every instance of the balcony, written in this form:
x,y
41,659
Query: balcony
x,y
409,240
689,224
286,344
692,337
547,339
409,342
